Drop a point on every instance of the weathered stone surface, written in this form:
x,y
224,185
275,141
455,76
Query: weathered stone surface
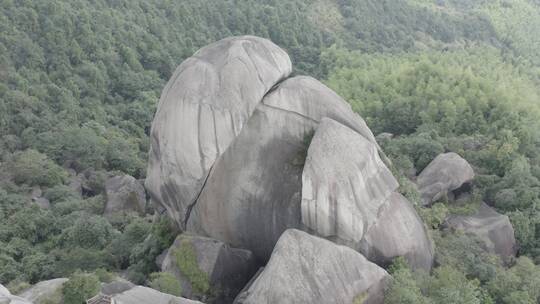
x,y
344,183
124,194
308,269
7,298
447,172
202,109
398,231
253,193
227,269
141,294
43,290
348,195
493,228
116,287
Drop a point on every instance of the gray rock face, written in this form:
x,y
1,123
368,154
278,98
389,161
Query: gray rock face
x,y
344,183
7,298
348,195
124,194
141,294
447,172
253,193
227,269
116,287
398,231
493,228
308,269
202,109
43,290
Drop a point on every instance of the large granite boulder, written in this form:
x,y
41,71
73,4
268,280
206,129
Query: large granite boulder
x,y
124,194
44,290
7,298
229,146
491,227
253,193
205,105
349,196
223,269
447,172
308,269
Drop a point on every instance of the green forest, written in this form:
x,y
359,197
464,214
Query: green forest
x,y
80,81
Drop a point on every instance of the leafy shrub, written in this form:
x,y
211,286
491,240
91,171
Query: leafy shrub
x,y
80,287
34,168
165,282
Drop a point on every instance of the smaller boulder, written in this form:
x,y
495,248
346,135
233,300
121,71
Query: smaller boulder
x,y
308,269
42,202
207,268
7,298
44,290
124,194
446,173
491,227
76,181
116,287
138,295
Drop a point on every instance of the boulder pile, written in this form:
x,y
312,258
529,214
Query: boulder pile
x,y
281,168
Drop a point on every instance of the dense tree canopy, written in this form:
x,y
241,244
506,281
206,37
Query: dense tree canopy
x,y
80,80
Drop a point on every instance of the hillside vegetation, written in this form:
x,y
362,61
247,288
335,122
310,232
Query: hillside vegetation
x,y
80,81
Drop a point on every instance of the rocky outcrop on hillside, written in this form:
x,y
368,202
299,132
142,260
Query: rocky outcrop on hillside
x,y
308,269
7,298
203,108
491,227
446,173
141,294
240,153
349,195
225,270
43,290
124,194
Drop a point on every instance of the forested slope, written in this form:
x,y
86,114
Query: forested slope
x,y
80,80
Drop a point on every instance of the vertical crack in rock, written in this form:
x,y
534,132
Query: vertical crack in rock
x,y
190,206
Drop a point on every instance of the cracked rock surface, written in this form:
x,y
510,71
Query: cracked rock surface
x,y
203,107
349,196
243,178
308,269
253,193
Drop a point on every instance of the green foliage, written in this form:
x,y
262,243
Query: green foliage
x,y
434,217
80,287
165,282
34,168
519,283
403,288
80,80
186,261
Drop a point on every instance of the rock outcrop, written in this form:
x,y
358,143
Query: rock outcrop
x,y
226,270
43,290
241,154
203,108
308,269
398,231
447,172
7,298
257,182
141,294
491,227
124,194
349,196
